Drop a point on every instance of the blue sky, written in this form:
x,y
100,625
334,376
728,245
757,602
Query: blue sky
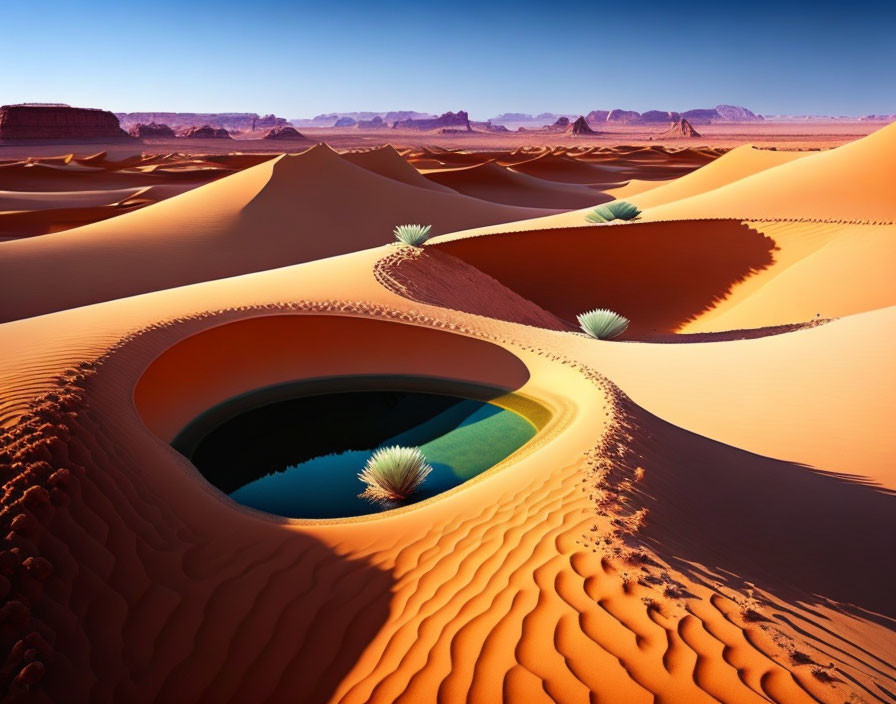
x,y
297,59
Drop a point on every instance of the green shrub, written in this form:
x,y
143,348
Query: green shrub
x,y
617,210
414,235
602,323
394,473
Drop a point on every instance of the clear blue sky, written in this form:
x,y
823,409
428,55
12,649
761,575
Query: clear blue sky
x,y
297,59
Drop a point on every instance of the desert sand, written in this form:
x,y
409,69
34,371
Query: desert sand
x,y
706,512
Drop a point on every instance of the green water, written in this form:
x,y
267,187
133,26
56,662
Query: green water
x,y
461,441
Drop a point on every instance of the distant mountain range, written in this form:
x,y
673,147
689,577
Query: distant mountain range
x,y
230,121
699,116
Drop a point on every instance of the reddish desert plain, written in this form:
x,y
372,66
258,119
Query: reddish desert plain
x,y
704,510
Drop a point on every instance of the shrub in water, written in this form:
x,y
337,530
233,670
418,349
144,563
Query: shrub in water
x,y
602,323
617,210
394,473
414,235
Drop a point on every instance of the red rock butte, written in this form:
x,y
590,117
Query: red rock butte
x,y
57,121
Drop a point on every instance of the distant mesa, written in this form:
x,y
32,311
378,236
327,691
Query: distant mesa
x,y
623,116
376,123
284,132
56,121
659,116
560,125
699,116
204,132
679,128
230,121
351,119
580,127
489,126
153,130
456,121
735,113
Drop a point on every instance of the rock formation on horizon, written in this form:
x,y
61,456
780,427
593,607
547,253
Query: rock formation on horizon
x,y
153,130
623,116
679,129
345,122
736,113
581,127
56,121
376,123
230,121
561,125
597,116
458,121
704,116
284,132
204,132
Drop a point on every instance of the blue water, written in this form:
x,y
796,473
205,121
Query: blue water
x,y
459,443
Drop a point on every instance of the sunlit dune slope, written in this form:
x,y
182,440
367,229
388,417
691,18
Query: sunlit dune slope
x,y
820,270
294,208
855,182
598,564
739,163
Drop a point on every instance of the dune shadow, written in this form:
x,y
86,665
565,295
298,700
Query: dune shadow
x,y
658,274
792,530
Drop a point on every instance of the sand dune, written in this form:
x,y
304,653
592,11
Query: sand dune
x,y
811,277
739,163
500,184
692,265
564,169
501,568
708,521
387,162
280,212
853,182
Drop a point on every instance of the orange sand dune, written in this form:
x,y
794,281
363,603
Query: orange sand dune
x,y
737,164
692,265
277,213
853,182
523,585
499,184
387,162
821,396
705,521
565,169
811,277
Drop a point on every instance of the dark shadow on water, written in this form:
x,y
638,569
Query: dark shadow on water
x,y
296,450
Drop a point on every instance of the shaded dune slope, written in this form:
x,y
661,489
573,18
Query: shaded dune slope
x,y
628,268
704,496
564,169
499,184
386,161
281,212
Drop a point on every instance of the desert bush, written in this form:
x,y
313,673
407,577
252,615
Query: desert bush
x,y
617,210
602,323
394,473
414,235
